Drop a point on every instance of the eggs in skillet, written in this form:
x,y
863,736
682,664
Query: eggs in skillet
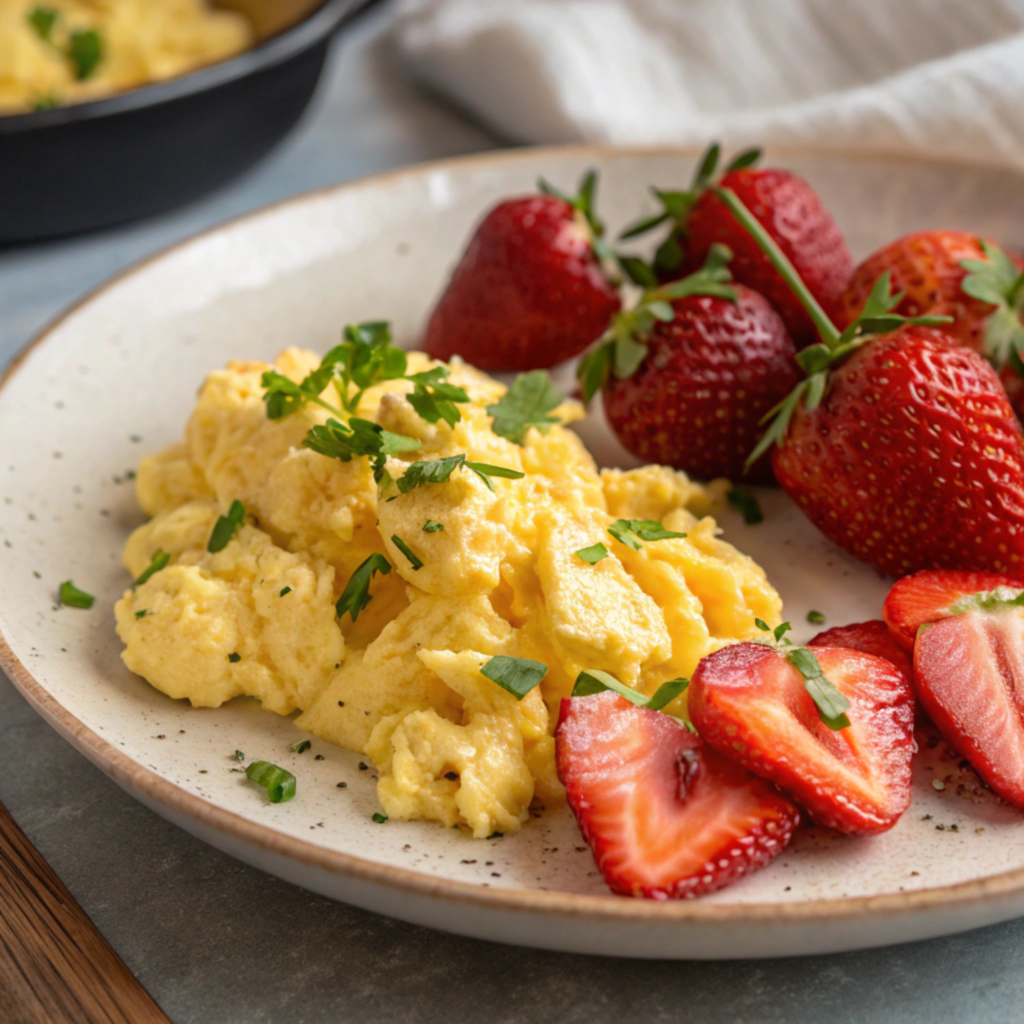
x,y
471,566
68,51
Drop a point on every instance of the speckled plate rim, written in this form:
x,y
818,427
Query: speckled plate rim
x,y
977,894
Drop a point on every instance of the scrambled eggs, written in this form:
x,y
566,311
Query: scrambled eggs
x,y
68,51
499,574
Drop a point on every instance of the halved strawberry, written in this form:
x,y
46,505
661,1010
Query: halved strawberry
x,y
872,637
969,671
751,703
665,816
932,595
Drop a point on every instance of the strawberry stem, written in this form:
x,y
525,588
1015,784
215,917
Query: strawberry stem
x,y
780,261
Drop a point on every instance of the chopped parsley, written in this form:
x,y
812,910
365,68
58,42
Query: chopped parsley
x,y
832,705
46,103
347,441
42,20
434,398
439,471
234,657
594,680
632,532
85,52
356,595
816,618
415,562
516,675
239,756
528,403
142,613
71,596
747,505
302,746
593,554
160,560
379,817
226,527
279,784
432,526
284,590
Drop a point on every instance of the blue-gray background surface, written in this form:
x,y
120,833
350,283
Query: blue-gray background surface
x,y
215,941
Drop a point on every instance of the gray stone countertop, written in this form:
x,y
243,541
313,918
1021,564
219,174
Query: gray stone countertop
x,y
217,942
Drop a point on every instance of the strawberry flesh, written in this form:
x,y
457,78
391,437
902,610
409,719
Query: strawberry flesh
x,y
710,375
527,293
969,671
872,637
791,212
665,816
929,596
750,703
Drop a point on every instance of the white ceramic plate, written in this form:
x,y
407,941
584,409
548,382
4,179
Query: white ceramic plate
x,y
116,377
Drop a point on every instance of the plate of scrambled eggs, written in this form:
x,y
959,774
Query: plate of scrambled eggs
x,y
398,775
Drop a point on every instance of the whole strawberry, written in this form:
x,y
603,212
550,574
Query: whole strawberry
x,y
788,209
709,375
960,275
529,291
901,447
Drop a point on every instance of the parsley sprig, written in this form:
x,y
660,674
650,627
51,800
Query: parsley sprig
x,y
633,532
593,680
356,595
84,50
434,398
527,403
439,471
359,437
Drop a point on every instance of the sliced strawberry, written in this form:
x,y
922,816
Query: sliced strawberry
x,y
969,671
872,637
749,702
665,816
932,595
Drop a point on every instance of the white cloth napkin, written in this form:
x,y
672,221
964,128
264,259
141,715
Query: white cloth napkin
x,y
908,77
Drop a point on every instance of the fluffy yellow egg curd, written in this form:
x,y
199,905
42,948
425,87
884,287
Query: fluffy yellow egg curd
x,y
69,51
495,573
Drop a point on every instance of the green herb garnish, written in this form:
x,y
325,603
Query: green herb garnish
x,y
358,437
226,527
160,560
85,51
816,618
279,784
356,595
379,817
234,657
438,471
832,705
42,20
517,675
747,505
594,680
141,614
432,526
302,746
593,554
71,596
47,103
284,591
632,532
239,756
434,398
415,562
528,403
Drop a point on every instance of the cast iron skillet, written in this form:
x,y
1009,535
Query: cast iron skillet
x,y
89,165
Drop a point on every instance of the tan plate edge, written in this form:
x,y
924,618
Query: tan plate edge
x,y
607,908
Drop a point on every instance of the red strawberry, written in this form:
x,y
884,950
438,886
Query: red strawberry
x,y
792,214
750,702
665,816
970,675
900,447
871,637
789,210
960,275
707,379
529,291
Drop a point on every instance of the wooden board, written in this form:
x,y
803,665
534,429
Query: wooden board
x,y
54,963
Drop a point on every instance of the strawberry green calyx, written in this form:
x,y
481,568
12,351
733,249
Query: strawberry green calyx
x,y
677,204
876,317
585,206
622,348
996,280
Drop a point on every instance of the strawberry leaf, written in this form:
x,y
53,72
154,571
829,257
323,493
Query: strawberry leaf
x,y
747,158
